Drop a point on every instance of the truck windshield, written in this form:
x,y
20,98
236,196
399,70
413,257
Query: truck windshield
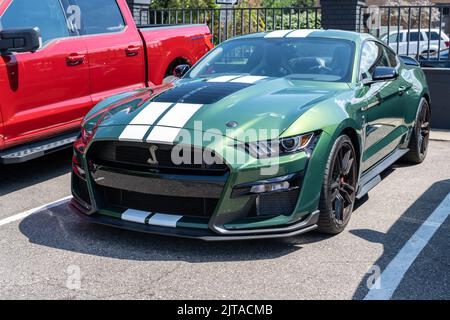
x,y
317,59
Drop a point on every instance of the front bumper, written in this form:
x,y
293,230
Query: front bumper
x,y
305,225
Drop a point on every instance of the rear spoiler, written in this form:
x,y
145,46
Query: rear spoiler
x,y
409,61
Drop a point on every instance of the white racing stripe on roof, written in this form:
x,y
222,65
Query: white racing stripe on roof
x,y
164,220
222,79
277,34
135,216
300,33
151,113
171,124
248,79
134,133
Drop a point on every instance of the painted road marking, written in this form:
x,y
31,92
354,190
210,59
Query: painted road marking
x,y
25,214
397,268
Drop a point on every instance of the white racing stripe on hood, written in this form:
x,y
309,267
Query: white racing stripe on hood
x,y
222,79
248,79
277,34
140,124
172,123
300,33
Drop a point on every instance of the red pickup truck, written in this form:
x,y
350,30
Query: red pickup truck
x,y
61,57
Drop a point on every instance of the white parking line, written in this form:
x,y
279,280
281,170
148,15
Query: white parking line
x,y
25,214
394,272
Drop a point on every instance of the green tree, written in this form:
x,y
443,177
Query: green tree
x,y
182,4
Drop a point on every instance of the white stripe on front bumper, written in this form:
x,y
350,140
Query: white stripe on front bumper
x,y
164,220
135,216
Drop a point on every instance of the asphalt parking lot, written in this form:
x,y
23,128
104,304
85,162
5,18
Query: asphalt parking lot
x,y
43,253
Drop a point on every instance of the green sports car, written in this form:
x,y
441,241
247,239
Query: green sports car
x,y
269,135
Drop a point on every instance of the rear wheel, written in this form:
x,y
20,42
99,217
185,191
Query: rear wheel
x,y
418,145
339,187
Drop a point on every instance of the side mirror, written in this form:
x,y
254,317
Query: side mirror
x,y
411,61
384,73
19,40
181,70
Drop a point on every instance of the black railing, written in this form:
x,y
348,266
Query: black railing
x,y
421,32
229,22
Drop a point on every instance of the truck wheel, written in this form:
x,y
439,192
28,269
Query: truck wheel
x,y
339,187
418,144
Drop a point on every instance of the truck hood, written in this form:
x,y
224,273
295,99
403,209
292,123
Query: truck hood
x,y
228,108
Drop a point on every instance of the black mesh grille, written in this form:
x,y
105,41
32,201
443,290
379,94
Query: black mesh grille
x,y
124,154
277,203
198,207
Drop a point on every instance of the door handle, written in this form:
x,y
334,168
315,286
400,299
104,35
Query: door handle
x,y
402,90
75,59
132,51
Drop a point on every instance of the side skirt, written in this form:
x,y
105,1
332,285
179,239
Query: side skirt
x,y
372,177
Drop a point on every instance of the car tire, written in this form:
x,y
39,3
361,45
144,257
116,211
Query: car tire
x,y
339,187
418,143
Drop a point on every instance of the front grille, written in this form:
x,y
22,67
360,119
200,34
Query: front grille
x,y
80,188
123,154
196,207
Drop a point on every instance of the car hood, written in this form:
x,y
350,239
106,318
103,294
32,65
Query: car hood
x,y
227,108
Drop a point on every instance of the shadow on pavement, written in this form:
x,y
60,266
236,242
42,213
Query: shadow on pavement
x,y
18,176
61,229
429,276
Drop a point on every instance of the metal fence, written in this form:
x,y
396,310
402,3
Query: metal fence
x,y
229,22
417,31
409,30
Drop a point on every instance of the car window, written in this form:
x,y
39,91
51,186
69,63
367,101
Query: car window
x,y
393,38
435,36
47,15
415,36
392,57
316,59
373,55
100,16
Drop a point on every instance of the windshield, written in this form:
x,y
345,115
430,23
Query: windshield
x,y
317,59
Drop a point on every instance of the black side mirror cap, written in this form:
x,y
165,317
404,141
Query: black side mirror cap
x,y
409,61
181,70
20,40
382,74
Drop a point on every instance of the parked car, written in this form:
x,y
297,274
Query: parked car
x,y
269,135
87,51
436,60
423,42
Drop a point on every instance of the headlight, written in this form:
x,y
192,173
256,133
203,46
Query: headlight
x,y
280,147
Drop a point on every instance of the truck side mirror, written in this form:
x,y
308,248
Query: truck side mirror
x,y
19,40
181,70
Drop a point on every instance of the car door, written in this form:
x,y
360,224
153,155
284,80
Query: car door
x,y
115,49
45,92
384,113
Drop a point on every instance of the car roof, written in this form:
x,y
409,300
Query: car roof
x,y
426,30
310,33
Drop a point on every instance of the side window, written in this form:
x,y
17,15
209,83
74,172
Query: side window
x,y
393,38
414,37
373,55
100,16
435,36
47,15
391,57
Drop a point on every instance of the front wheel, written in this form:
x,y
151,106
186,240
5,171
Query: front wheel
x,y
418,144
339,187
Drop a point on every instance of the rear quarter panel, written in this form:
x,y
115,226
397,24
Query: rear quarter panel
x,y
165,44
